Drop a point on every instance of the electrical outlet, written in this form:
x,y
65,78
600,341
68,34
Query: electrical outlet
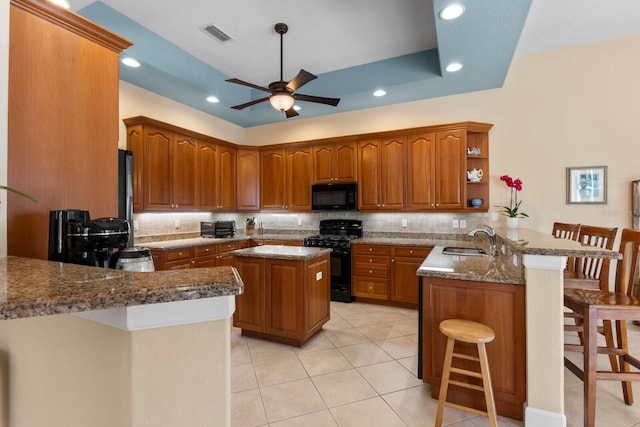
x,y
135,225
404,222
494,216
456,223
177,223
299,221
463,223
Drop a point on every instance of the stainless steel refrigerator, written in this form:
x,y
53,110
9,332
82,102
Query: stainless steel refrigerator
x,y
125,190
635,204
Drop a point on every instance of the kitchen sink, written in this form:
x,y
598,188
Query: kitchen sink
x,y
451,250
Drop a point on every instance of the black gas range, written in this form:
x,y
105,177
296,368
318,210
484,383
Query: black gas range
x,y
337,234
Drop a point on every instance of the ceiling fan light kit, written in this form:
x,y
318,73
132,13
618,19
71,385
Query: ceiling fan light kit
x,y
282,94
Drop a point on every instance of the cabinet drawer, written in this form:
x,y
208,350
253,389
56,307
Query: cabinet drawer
x,y
179,265
370,288
205,250
178,254
371,271
411,251
228,246
370,260
371,249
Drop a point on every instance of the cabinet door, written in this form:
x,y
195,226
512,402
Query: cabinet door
x,y
421,171
298,179
404,281
450,161
226,189
393,170
250,306
185,163
345,162
317,293
369,154
284,291
157,169
272,180
248,180
323,164
207,171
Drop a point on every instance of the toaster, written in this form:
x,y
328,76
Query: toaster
x,y
224,228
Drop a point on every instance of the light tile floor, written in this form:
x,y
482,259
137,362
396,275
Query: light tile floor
x,y
361,370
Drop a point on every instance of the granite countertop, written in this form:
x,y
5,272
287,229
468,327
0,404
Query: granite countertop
x,y
202,241
301,253
506,267
31,287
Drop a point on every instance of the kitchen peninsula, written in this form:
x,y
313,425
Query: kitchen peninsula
x,y
521,287
287,292
155,351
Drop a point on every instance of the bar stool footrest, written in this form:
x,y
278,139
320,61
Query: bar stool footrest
x,y
467,373
466,409
467,385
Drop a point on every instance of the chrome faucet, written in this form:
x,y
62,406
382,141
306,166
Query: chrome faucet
x,y
493,248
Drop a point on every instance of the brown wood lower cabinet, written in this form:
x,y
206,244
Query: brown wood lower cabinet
x,y
284,300
499,306
387,274
211,255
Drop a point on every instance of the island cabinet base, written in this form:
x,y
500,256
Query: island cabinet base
x,y
284,300
499,306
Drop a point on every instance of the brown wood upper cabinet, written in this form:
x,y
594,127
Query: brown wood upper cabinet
x,y
248,180
381,174
216,172
435,170
286,179
335,163
169,162
177,169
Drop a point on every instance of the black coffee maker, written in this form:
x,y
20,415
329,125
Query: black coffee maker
x,y
75,238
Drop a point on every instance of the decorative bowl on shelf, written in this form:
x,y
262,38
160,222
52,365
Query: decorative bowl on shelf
x,y
476,202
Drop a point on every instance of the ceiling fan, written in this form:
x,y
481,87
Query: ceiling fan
x,y
282,94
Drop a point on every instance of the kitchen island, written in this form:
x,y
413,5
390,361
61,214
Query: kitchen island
x,y
532,264
287,292
89,346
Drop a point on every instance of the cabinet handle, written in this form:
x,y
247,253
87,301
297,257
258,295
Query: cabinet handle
x,y
410,251
206,250
370,260
193,262
393,260
370,272
370,249
179,253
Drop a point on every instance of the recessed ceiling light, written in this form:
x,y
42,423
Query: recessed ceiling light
x,y
296,107
61,3
451,12
379,92
130,62
212,99
453,67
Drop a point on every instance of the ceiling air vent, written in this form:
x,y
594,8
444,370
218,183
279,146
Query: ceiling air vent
x,y
216,33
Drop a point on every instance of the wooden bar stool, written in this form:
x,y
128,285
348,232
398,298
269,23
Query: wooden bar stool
x,y
473,333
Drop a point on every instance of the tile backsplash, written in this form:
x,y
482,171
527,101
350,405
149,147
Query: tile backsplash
x,y
175,225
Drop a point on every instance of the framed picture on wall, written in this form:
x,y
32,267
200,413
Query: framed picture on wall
x,y
587,185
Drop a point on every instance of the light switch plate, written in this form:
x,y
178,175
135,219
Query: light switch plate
x,y
456,223
135,225
404,222
299,221
177,223
463,223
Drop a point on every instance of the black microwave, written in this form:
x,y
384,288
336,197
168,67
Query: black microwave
x,y
342,197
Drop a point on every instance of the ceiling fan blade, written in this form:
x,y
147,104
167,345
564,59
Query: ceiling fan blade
x,y
300,80
249,104
318,99
291,112
243,83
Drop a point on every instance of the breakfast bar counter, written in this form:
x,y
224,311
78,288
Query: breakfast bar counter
x,y
521,287
85,346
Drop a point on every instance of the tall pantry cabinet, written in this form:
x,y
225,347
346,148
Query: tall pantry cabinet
x,y
62,122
